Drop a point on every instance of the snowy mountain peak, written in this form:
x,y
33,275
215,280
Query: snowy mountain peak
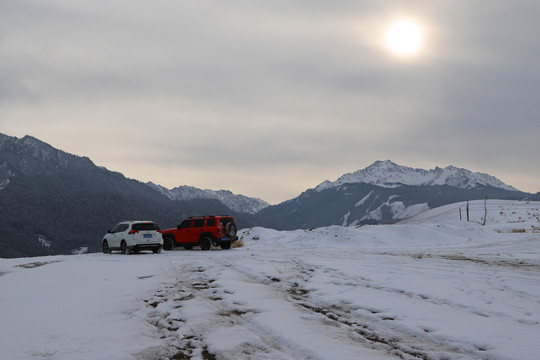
x,y
235,202
389,174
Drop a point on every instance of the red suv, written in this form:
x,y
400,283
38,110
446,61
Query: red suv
x,y
203,231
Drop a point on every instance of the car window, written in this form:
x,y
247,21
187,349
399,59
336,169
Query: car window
x,y
198,223
211,222
117,228
145,226
225,221
185,224
124,227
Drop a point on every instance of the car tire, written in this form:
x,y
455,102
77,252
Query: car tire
x,y
231,229
168,243
123,248
226,244
157,251
205,243
106,249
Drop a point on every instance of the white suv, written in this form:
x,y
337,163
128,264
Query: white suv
x,y
133,236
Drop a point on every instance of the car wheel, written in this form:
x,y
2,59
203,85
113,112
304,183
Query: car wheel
x,y
168,243
157,250
226,245
230,229
106,249
123,248
205,243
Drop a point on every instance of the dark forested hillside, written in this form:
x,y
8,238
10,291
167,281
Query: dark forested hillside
x,y
70,202
69,216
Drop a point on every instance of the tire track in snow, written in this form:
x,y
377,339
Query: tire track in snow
x,y
185,338
476,270
376,334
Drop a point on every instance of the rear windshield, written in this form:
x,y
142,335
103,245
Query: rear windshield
x,y
145,226
225,221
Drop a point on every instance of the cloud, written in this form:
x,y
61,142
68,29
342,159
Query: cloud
x,y
300,91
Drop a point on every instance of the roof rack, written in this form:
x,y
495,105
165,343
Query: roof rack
x,y
204,216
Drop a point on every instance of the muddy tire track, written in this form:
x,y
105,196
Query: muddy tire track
x,y
185,339
374,332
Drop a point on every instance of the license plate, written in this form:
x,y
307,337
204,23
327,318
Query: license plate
x,y
146,236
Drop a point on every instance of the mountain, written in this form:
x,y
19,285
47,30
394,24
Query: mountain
x,y
384,192
29,156
52,202
388,174
237,203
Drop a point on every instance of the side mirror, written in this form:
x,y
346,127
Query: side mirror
x,y
109,231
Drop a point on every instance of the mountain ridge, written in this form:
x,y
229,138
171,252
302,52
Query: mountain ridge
x,y
389,174
30,156
235,202
385,192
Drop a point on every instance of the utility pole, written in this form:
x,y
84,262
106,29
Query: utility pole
x,y
485,211
467,210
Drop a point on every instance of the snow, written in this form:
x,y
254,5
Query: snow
x,y
408,211
431,287
364,199
346,218
398,209
235,202
44,242
388,174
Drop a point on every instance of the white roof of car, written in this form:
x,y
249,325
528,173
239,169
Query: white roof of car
x,y
137,221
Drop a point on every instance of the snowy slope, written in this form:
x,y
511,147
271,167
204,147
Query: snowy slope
x,y
434,288
389,174
500,215
235,202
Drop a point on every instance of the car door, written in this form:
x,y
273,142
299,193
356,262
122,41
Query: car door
x,y
114,239
184,233
123,234
198,227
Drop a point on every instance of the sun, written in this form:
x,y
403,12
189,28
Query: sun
x,y
404,37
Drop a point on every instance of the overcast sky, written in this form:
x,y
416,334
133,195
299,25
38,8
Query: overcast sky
x,y
269,98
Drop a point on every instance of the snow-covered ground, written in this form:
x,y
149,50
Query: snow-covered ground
x,y
432,287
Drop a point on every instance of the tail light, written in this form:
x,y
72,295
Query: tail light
x,y
133,232
159,231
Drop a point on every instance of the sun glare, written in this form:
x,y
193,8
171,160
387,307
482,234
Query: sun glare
x,y
404,37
